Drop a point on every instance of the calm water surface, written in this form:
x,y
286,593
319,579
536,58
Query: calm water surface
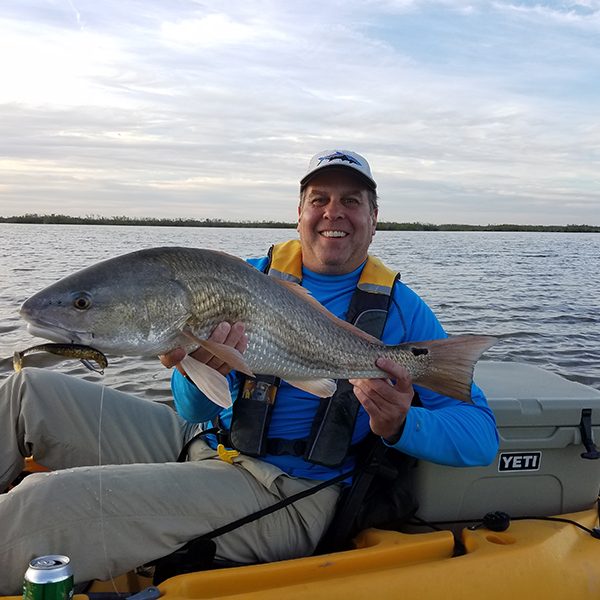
x,y
538,292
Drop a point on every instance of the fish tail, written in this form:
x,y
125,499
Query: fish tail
x,y
451,363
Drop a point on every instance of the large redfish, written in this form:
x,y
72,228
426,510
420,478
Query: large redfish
x,y
151,301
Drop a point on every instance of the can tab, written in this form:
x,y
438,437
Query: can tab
x,y
585,427
226,455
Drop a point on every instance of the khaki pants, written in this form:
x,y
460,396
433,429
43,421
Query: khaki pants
x,y
116,499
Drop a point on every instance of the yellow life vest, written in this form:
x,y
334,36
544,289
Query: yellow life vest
x,y
286,263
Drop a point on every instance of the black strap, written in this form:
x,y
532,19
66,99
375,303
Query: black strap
x,y
339,530
198,554
281,446
278,505
184,451
587,439
269,509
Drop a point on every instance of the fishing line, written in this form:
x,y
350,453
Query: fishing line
x,y
100,486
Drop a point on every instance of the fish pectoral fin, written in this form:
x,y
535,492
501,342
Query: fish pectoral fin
x,y
227,354
209,381
234,358
324,388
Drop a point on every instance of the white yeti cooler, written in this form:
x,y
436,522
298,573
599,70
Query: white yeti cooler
x,y
544,422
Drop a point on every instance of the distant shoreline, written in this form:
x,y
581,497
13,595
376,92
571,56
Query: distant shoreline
x,y
54,219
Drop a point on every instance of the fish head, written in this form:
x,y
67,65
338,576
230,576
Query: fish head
x,y
120,306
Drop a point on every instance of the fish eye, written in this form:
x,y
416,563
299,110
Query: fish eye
x,y
82,302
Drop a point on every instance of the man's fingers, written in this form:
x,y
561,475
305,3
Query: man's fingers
x,y
237,337
172,358
219,334
241,339
397,372
385,418
385,403
224,333
229,335
371,402
379,390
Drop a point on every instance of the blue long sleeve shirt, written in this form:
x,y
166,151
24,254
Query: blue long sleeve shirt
x,y
443,430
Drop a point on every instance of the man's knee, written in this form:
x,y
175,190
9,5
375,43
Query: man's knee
x,y
28,377
51,492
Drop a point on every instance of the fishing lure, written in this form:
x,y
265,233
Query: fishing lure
x,y
85,354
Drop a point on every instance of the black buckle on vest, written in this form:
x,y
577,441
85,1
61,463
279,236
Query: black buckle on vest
x,y
585,427
221,433
281,446
223,437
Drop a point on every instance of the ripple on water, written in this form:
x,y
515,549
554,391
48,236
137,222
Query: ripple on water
x,y
8,327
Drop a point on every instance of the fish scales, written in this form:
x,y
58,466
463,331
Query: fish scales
x,y
282,328
278,323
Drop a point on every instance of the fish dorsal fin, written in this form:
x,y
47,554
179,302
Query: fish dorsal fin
x,y
233,257
307,297
209,381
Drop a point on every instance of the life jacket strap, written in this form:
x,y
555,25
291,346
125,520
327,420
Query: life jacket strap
x,y
274,446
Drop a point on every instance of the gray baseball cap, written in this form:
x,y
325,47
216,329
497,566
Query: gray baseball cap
x,y
339,159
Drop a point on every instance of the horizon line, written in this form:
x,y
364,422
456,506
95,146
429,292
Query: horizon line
x,y
59,219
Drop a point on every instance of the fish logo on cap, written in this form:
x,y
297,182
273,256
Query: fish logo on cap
x,y
339,156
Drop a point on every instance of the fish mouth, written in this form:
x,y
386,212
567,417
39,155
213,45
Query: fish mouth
x,y
55,333
38,327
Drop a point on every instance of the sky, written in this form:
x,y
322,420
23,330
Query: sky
x,y
478,112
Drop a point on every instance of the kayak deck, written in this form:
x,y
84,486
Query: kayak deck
x,y
532,559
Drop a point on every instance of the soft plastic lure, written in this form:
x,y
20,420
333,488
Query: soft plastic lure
x,y
78,351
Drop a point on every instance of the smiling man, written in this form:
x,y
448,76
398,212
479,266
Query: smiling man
x,y
313,439
160,486
337,214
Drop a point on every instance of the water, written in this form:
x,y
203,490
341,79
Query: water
x,y
538,292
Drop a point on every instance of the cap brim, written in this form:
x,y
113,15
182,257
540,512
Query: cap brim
x,y
347,168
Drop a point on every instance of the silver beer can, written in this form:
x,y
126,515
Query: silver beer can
x,y
49,578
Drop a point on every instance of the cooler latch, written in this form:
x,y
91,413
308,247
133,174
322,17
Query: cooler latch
x,y
585,426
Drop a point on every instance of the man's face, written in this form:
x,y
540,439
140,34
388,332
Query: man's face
x,y
335,223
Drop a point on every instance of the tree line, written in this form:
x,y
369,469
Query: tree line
x,y
183,222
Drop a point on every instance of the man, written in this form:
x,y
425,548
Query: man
x,y
142,505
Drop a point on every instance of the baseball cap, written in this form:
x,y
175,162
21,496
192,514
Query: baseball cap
x,y
339,159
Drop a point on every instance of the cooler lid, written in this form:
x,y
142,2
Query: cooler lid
x,y
523,395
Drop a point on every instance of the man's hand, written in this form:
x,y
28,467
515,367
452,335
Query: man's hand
x,y
224,333
386,403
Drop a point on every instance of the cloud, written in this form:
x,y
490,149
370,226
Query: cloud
x,y
468,111
211,31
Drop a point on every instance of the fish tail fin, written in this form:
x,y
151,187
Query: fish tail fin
x,y
452,361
